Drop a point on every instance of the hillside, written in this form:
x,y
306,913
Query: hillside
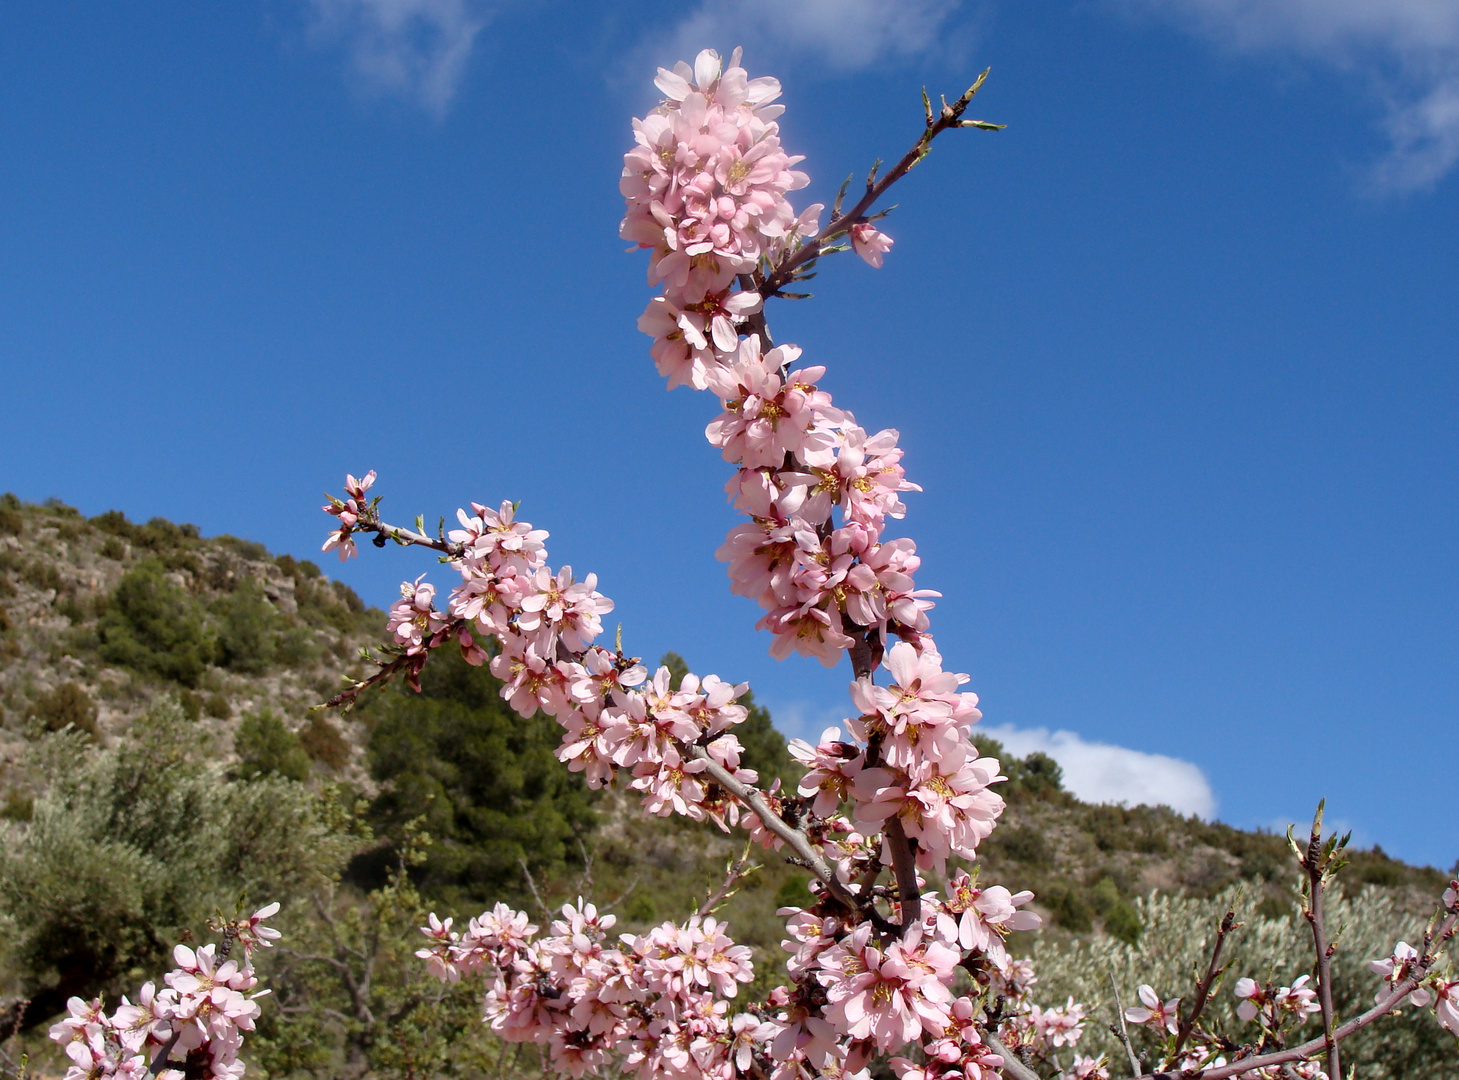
x,y
190,664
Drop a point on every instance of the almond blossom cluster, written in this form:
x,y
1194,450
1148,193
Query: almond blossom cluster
x,y
192,1027
650,1005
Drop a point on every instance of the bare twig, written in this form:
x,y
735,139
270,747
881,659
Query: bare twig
x,y
532,884
1319,861
950,116
1203,988
1124,1031
160,1062
733,873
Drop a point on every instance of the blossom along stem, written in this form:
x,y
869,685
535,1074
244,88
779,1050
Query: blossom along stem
x,y
1203,988
1315,1046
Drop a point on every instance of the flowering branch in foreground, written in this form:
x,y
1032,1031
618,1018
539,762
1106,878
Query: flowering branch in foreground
x,y
193,1027
916,972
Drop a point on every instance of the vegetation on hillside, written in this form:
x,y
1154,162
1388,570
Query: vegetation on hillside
x,y
160,765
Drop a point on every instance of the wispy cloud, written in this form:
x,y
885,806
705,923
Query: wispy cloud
x,y
1103,773
845,35
411,49
1406,50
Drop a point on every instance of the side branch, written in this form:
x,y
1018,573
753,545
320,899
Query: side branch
x,y
784,272
1318,1045
772,821
1203,988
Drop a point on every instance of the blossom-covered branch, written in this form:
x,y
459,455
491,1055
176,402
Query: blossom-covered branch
x,y
201,1013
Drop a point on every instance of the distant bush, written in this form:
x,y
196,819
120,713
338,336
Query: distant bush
x,y
113,548
323,742
244,549
152,625
216,705
68,705
131,844
485,780
248,630
266,747
12,521
42,575
4,620
1022,843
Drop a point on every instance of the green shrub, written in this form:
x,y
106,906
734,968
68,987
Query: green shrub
x,y
244,549
43,575
1122,922
112,548
1068,907
132,845
4,620
1022,843
12,521
68,705
485,781
266,747
248,630
152,625
216,705
323,742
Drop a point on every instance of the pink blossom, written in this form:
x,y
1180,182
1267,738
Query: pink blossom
x,y
869,243
1155,1013
889,996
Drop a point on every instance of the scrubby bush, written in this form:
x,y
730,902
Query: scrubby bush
x,y
152,625
68,705
248,630
132,844
266,747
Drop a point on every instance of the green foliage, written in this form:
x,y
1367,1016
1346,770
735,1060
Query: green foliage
x,y
131,845
358,1001
248,630
323,742
266,747
244,549
484,781
1022,843
1068,906
12,521
152,625
68,705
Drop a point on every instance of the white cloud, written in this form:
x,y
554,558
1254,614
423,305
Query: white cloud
x,y
414,49
846,35
1407,50
1102,773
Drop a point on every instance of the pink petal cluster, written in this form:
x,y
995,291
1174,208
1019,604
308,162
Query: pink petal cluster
x,y
1153,1012
650,1006
199,1016
706,185
348,512
1276,1006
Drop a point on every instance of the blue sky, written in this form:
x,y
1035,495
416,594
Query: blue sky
x,y
1174,356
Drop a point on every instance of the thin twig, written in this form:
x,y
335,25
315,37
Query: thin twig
x,y
532,884
1203,988
1124,1031
160,1061
1316,862
950,117
733,873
